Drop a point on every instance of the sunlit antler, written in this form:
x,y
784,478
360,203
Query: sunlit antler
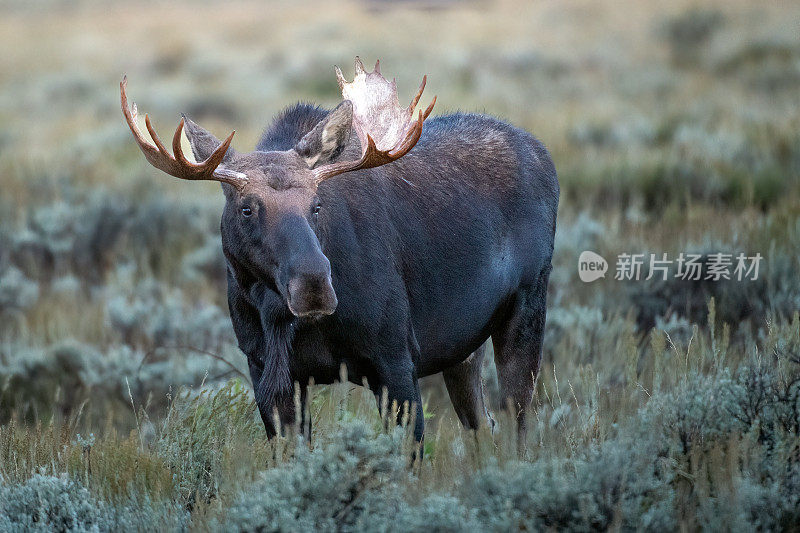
x,y
178,165
386,130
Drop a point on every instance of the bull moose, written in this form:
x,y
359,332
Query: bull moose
x,y
395,252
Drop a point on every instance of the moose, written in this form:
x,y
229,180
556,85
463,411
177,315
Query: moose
x,y
362,238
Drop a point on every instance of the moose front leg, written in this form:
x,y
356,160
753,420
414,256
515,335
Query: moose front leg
x,y
286,411
256,371
283,407
398,388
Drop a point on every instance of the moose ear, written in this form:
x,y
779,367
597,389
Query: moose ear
x,y
202,142
328,138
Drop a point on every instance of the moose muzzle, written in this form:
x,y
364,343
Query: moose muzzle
x,y
311,295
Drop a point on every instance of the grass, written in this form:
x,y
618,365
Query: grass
x,y
713,421
124,401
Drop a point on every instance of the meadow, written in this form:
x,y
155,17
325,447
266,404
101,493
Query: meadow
x,y
662,404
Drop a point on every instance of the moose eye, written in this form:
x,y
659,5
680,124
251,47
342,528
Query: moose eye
x,y
246,211
317,207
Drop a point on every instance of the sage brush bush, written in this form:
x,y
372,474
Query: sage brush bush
x,y
347,484
49,503
618,485
62,504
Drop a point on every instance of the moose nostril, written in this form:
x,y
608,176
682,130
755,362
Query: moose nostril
x,y
311,295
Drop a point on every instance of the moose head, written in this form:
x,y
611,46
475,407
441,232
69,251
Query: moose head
x,y
270,219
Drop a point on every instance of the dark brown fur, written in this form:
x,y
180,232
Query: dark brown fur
x,y
395,272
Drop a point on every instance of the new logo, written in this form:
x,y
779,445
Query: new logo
x,y
591,266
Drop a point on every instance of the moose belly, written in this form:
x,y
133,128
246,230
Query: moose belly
x,y
460,308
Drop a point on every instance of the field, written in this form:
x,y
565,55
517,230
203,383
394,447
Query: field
x,y
125,403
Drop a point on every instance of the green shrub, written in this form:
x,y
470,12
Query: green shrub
x,y
49,503
620,484
342,486
59,503
204,437
35,384
17,292
737,302
153,315
692,413
735,441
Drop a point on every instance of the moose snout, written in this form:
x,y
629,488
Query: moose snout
x,y
311,295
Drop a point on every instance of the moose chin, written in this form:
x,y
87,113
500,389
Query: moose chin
x,y
370,238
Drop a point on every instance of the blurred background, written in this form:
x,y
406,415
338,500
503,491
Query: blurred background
x,y
674,127
664,405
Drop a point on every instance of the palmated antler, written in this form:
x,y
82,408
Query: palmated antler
x,y
386,130
178,165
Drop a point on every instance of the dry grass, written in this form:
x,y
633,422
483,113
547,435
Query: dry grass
x,y
660,147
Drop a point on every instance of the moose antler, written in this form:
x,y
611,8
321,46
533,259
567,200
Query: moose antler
x,y
386,130
178,165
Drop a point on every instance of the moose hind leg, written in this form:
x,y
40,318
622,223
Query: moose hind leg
x,y
518,350
465,387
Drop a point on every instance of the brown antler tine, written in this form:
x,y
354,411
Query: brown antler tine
x,y
359,66
154,136
417,124
411,138
430,108
215,159
377,68
177,165
371,147
417,96
130,116
340,79
412,127
177,150
123,97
